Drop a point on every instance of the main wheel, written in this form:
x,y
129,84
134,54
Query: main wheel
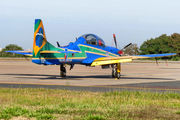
x,y
113,72
118,75
63,71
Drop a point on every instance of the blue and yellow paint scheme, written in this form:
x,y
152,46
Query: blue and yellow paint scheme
x,y
88,49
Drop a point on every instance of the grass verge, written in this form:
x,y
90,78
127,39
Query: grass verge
x,y
62,104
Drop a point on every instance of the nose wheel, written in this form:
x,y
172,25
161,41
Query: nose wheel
x,y
62,70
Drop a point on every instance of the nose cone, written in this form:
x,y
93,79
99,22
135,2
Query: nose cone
x,y
120,52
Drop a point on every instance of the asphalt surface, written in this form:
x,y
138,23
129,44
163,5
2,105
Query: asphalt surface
x,y
135,77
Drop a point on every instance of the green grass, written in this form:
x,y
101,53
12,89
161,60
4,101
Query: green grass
x,y
63,104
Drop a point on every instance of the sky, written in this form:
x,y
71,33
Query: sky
x,y
133,21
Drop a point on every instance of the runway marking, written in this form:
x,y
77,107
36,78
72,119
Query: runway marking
x,y
105,86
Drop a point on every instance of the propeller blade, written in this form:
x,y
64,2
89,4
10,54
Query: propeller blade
x,y
127,46
58,44
115,40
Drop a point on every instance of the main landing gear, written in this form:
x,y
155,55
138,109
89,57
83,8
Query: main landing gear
x,y
116,70
62,70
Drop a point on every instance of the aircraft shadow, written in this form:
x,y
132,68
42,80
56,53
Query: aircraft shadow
x,y
57,77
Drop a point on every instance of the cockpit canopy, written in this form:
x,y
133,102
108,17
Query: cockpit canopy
x,y
93,40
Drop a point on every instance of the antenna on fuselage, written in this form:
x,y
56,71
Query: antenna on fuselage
x,y
58,44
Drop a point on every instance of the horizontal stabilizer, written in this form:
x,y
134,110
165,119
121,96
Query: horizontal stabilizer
x,y
27,53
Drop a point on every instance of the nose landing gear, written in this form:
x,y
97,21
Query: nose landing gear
x,y
62,70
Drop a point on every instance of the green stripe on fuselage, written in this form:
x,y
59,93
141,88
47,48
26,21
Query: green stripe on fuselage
x,y
95,50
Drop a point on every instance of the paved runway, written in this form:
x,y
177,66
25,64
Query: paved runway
x,y
135,76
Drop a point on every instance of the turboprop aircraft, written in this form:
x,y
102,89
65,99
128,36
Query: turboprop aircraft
x,y
88,49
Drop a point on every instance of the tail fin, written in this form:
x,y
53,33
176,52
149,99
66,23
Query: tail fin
x,y
40,42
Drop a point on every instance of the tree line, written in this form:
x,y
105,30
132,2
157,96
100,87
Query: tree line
x,y
9,48
162,44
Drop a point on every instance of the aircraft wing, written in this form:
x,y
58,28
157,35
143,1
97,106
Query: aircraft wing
x,y
27,53
123,59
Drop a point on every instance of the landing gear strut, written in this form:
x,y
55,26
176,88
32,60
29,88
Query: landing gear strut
x,y
113,72
62,70
116,71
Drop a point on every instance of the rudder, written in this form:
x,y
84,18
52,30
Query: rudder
x,y
40,42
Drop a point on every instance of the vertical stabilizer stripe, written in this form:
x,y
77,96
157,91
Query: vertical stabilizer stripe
x,y
39,37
